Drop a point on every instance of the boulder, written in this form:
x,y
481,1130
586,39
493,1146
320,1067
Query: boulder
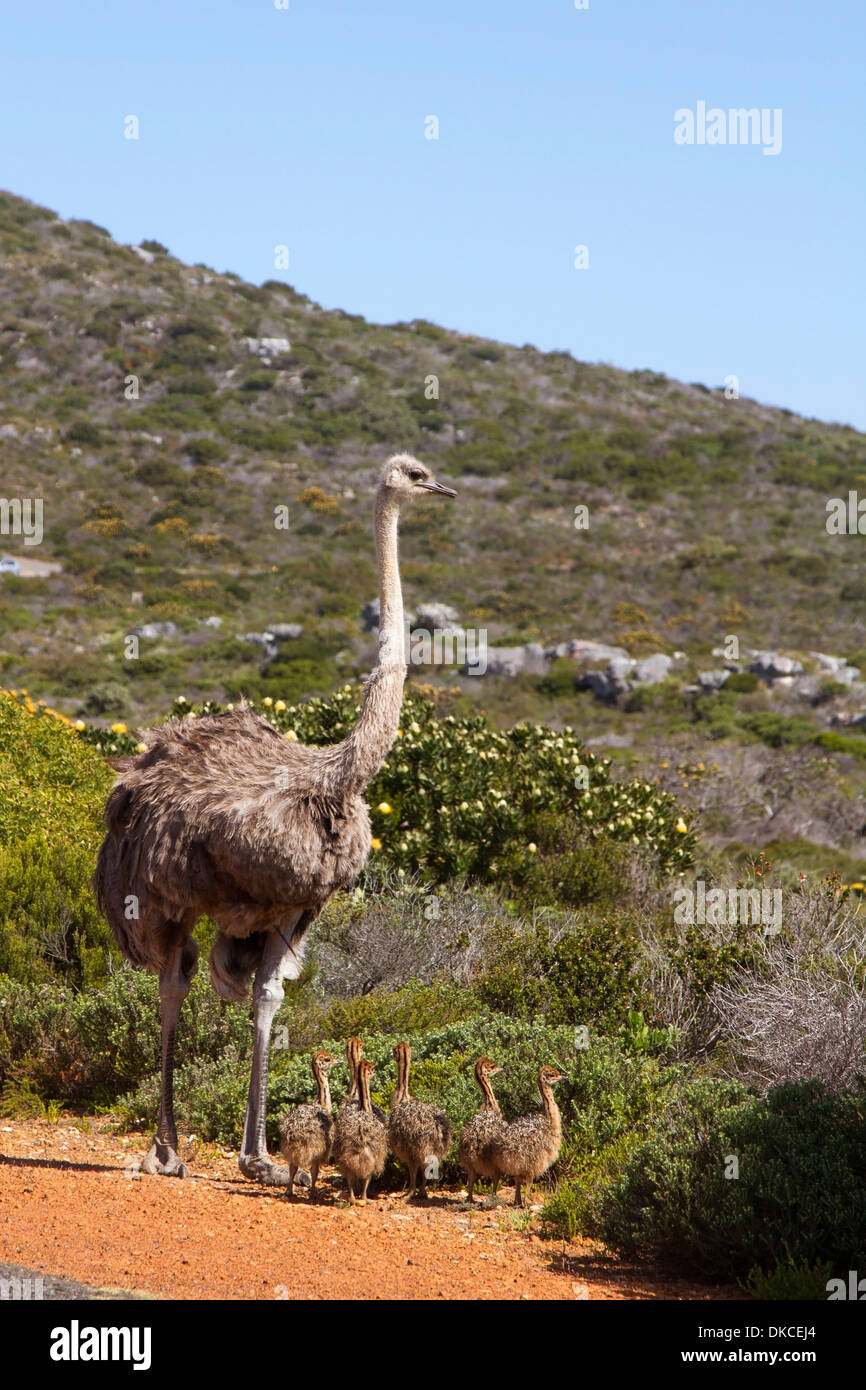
x,y
836,668
150,631
511,661
265,640
285,632
370,616
432,616
268,347
771,667
712,680
580,650
652,669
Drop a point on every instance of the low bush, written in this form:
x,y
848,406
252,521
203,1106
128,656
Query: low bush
x,y
733,1182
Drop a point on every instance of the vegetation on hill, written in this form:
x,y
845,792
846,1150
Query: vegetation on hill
x,y
519,897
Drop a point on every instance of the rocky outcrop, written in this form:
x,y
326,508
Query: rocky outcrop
x,y
513,661
770,667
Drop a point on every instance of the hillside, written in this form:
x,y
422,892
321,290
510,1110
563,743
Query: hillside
x,y
706,519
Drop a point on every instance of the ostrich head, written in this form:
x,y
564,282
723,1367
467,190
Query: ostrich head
x,y
323,1061
550,1075
487,1067
404,477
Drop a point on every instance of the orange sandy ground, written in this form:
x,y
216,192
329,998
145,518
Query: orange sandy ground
x,y
71,1204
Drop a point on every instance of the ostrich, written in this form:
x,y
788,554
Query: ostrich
x,y
223,815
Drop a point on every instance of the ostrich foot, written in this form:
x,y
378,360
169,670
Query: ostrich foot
x,y
260,1168
162,1158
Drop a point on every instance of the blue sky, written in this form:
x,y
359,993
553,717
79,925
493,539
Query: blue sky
x,y
306,127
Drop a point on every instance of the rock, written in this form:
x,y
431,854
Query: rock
x,y
265,640
653,669
213,621
285,632
580,650
598,683
8,432
370,616
712,680
511,661
771,667
147,256
153,630
809,688
850,721
432,616
268,347
836,667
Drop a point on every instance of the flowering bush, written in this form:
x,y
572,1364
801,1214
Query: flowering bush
x,y
460,798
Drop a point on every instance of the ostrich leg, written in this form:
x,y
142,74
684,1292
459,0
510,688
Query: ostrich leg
x,y
173,989
279,962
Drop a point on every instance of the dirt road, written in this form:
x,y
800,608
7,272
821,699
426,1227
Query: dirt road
x,y
72,1205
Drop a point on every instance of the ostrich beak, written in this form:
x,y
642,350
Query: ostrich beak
x,y
438,487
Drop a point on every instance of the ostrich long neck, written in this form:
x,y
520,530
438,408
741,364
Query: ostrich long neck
x,y
353,1056
364,1083
324,1090
402,1091
551,1109
490,1101
369,743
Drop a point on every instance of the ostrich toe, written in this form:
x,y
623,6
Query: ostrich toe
x,y
162,1158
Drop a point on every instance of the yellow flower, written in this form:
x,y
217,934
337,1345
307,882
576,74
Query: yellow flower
x,y
416,728
118,728
681,826
80,724
141,748
291,735
375,844
229,706
384,808
267,701
281,704
532,848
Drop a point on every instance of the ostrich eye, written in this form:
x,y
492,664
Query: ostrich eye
x,y
416,474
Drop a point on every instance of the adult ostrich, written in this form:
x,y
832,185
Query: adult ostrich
x,y
223,815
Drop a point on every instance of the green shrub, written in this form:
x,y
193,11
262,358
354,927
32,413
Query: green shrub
x,y
800,1195
583,977
741,683
788,1281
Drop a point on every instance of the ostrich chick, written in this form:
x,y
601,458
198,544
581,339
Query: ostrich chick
x,y
360,1139
306,1132
527,1147
354,1053
416,1130
479,1134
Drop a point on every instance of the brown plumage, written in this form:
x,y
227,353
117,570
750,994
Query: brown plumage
x,y
526,1148
222,815
360,1144
417,1130
475,1152
306,1131
354,1053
